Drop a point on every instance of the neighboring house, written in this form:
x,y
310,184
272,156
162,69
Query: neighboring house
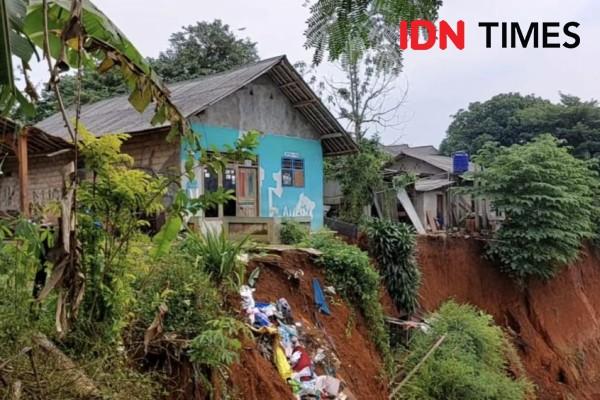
x,y
286,180
435,205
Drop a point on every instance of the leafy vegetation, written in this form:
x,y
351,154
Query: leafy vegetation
x,y
292,232
220,257
180,282
470,364
359,176
112,206
75,34
347,28
197,50
393,245
515,119
183,284
350,271
202,49
218,347
21,246
548,199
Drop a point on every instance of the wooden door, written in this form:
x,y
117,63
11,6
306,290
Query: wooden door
x,y
247,192
440,210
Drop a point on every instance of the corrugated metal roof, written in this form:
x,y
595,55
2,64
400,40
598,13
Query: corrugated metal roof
x,y
428,154
116,115
396,149
427,185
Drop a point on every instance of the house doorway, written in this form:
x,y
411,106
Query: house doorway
x,y
440,212
247,192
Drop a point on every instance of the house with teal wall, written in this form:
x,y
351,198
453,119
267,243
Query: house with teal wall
x,y
285,181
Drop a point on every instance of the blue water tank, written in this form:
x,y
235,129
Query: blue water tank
x,y
460,162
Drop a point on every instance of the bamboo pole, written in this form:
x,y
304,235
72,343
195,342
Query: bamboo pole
x,y
416,368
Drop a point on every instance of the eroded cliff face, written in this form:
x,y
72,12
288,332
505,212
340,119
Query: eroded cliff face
x,y
555,325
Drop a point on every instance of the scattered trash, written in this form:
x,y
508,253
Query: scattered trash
x,y
253,278
246,293
328,385
281,361
284,308
330,290
320,356
279,340
320,300
301,362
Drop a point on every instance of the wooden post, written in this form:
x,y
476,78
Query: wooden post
x,y
23,172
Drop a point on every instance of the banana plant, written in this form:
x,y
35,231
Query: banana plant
x,y
76,34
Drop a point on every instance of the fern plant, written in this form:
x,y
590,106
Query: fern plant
x,y
394,245
348,28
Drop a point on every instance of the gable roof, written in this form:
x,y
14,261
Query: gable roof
x,y
116,115
428,154
396,149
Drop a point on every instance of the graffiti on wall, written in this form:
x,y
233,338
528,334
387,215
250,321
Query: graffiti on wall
x,y
44,196
277,200
9,195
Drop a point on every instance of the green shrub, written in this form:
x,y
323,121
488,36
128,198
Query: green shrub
x,y
180,282
19,263
394,245
219,345
547,196
471,363
195,312
292,232
321,239
220,257
351,273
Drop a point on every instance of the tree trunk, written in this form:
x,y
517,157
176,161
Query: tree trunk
x,y
82,384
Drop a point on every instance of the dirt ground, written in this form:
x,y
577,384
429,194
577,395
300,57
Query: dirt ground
x,y
555,325
344,334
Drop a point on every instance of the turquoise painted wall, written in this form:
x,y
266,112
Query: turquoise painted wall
x,y
277,200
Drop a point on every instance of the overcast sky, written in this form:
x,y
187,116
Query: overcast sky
x,y
439,82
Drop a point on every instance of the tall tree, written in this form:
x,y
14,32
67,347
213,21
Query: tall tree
x,y
94,87
515,119
202,49
548,198
363,100
197,50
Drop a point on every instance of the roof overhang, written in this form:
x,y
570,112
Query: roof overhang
x,y
38,142
334,138
427,185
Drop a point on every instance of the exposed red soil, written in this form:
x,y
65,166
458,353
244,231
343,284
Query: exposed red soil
x,y
555,325
255,378
360,364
